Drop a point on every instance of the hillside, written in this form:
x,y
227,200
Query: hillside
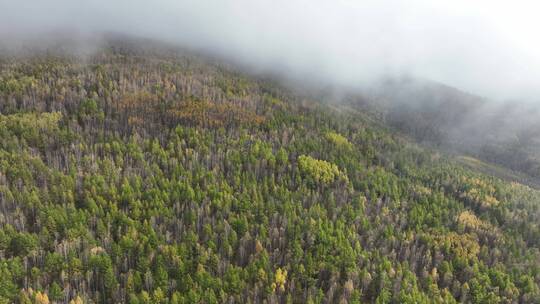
x,y
152,175
503,133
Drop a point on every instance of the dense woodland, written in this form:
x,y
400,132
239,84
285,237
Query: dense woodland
x,y
138,175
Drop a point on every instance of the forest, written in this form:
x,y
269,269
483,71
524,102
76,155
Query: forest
x,y
155,175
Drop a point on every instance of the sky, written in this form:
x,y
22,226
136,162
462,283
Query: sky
x,y
486,47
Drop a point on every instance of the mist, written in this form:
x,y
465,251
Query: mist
x,y
484,47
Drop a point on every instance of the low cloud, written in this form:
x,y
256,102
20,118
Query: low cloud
x,y
485,47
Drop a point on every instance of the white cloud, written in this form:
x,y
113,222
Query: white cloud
x,y
486,47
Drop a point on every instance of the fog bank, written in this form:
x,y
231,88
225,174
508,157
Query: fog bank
x,y
485,47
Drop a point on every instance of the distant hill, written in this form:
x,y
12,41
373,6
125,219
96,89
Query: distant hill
x,y
503,133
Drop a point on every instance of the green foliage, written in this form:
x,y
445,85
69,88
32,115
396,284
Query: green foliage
x,y
338,140
122,195
318,170
89,109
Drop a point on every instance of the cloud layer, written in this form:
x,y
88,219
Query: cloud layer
x,y
485,47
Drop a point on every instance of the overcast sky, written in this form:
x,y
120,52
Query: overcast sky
x,y
488,47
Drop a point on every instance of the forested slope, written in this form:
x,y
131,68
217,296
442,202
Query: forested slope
x,y
152,176
505,133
